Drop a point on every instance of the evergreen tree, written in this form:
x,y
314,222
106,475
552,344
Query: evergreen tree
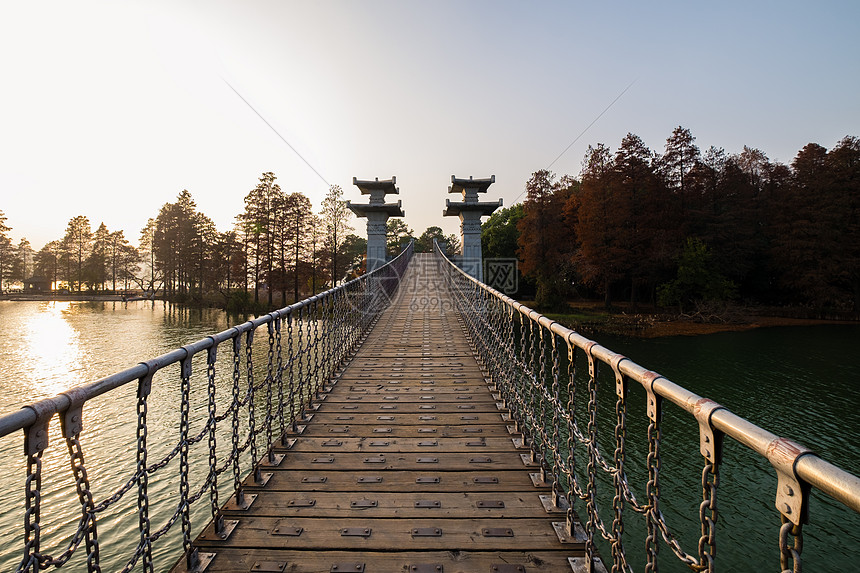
x,y
335,216
77,243
6,251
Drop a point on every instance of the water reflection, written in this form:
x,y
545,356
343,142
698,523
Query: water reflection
x,y
50,349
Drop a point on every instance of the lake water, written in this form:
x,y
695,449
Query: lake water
x,y
802,383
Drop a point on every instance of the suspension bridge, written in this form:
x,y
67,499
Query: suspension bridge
x,y
413,419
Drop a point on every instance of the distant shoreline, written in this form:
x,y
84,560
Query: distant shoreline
x,y
72,297
591,318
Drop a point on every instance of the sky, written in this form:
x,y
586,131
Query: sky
x,y
110,109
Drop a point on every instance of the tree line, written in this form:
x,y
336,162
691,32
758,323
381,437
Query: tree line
x,y
278,250
686,227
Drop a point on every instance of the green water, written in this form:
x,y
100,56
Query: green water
x,y
802,383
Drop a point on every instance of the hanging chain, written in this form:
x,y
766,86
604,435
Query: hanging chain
x,y
708,516
237,365
789,554
299,373
280,369
184,408
652,546
141,476
556,421
32,506
591,493
270,378
252,415
292,389
217,516
619,561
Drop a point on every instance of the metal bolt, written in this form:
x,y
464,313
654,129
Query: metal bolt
x,y
786,509
707,439
708,453
788,490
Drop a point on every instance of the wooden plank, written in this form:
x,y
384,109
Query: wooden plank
x,y
416,461
380,439
414,504
244,560
383,534
311,479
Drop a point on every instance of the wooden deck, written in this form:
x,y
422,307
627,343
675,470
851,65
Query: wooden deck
x,y
406,466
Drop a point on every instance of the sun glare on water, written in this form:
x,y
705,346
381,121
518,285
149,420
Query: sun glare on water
x,y
52,350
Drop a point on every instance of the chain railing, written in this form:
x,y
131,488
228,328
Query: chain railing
x,y
521,350
321,334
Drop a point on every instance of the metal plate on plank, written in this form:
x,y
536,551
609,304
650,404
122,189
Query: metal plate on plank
x,y
332,443
426,568
473,430
428,397
284,528
363,503
375,460
490,504
428,442
379,443
507,568
349,407
385,418
344,417
388,407
428,503
468,417
480,460
370,479
427,532
390,397
466,406
381,430
428,479
426,418
464,397
343,430
426,430
427,460
323,460
347,567
355,532
302,502
314,479
486,479
269,566
497,532
427,407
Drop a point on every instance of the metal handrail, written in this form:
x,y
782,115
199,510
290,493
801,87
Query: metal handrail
x,y
343,314
796,466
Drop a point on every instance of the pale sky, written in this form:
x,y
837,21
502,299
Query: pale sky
x,y
110,109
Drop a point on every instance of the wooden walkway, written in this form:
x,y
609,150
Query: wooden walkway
x,y
406,466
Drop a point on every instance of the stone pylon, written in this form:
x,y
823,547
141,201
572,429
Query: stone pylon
x,y
377,212
470,211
